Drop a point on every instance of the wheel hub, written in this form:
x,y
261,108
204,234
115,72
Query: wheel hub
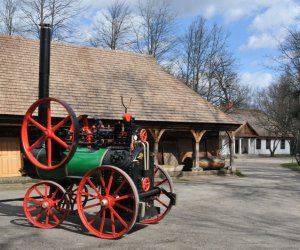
x,y
104,202
45,204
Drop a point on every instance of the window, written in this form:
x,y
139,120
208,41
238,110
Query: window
x,y
282,144
258,143
268,143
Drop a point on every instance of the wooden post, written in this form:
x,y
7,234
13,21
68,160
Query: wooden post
x,y
231,149
156,134
197,136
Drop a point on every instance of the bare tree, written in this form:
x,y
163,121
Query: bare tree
x,y
206,65
277,103
111,30
154,33
58,13
8,18
289,61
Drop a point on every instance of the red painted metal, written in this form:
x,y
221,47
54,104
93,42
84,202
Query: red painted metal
x,y
112,205
143,135
45,204
126,117
48,135
146,183
162,180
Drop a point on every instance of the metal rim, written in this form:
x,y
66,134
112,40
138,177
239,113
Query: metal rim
x,y
162,180
48,134
45,204
112,205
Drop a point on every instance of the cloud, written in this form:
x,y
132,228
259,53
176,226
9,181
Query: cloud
x,y
257,80
269,27
262,40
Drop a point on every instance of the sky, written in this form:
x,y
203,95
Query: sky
x,y
255,28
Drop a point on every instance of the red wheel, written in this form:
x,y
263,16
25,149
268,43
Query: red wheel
x,y
112,206
143,135
48,136
146,183
45,204
162,180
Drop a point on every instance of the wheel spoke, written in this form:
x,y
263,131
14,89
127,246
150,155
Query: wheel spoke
x,y
61,123
35,201
94,217
119,218
161,202
39,192
49,152
54,216
124,197
90,206
93,187
49,125
37,143
58,201
47,217
102,220
90,195
112,218
127,209
54,193
60,141
46,190
119,188
33,208
39,214
103,184
37,124
110,182
163,181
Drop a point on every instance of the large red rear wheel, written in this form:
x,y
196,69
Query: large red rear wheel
x,y
112,206
162,201
45,204
46,133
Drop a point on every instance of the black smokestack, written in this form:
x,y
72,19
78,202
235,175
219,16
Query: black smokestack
x,y
44,71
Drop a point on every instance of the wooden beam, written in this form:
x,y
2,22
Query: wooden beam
x,y
231,149
156,134
197,136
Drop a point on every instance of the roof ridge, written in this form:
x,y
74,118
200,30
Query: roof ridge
x,y
73,45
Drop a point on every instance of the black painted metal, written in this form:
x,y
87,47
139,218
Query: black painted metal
x,y
153,192
44,68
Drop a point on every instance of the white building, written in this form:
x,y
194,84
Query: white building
x,y
253,138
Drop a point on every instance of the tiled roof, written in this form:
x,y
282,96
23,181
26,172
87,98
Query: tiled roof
x,y
92,81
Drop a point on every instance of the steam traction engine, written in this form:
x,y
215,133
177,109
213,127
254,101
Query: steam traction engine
x,y
104,173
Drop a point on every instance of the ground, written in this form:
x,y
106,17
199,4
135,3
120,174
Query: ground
x,y
258,211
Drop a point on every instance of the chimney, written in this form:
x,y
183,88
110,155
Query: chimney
x,y
44,68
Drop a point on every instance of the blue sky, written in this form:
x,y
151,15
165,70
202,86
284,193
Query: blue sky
x,y
256,27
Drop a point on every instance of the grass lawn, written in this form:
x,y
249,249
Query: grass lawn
x,y
293,166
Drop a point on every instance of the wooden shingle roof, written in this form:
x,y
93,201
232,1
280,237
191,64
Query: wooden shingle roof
x,y
259,121
92,81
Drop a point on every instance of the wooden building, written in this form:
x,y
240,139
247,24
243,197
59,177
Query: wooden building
x,y
92,81
253,137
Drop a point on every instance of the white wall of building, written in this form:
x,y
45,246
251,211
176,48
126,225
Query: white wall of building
x,y
248,146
